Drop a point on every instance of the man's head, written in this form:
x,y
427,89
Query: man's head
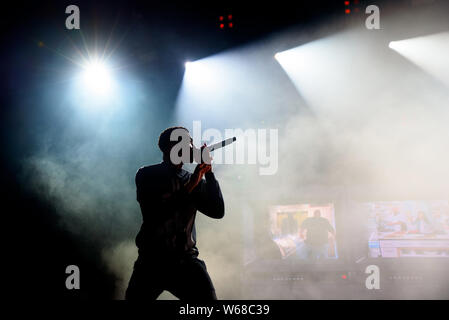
x,y
179,137
317,213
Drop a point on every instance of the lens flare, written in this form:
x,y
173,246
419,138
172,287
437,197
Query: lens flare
x,y
97,77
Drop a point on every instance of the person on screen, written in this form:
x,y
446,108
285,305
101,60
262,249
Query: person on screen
x,y
289,225
423,224
265,245
411,225
169,198
381,223
398,221
317,236
267,248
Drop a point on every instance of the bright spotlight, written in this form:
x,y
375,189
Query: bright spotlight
x,y
313,69
427,52
97,77
200,73
206,83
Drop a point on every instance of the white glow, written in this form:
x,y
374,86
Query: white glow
x,y
97,77
201,73
392,44
429,53
203,87
315,70
95,87
230,88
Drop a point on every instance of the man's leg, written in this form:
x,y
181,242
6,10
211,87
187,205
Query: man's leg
x,y
144,283
191,281
315,252
324,251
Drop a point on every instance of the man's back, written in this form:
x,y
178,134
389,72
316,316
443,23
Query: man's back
x,y
317,230
169,211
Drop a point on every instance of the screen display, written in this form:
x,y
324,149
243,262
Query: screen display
x,y
304,231
408,229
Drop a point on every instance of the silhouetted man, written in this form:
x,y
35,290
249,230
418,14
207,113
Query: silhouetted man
x,y
317,243
169,198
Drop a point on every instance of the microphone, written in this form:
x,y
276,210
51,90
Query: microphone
x,y
221,144
196,154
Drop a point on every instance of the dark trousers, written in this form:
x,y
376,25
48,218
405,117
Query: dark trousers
x,y
186,279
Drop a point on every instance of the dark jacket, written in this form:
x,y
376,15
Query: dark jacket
x,y
168,211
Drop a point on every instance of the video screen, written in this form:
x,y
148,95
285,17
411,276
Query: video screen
x,y
303,231
408,229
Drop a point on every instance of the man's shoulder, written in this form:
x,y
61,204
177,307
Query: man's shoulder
x,y
149,170
159,169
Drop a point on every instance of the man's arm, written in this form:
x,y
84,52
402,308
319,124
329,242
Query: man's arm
x,y
144,192
206,193
208,197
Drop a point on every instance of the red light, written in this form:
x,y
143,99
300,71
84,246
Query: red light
x,y
348,11
344,276
221,18
230,17
346,3
230,25
221,26
356,1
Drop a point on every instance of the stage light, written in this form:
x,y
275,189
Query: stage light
x,y
96,87
199,73
313,69
205,90
427,52
97,77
